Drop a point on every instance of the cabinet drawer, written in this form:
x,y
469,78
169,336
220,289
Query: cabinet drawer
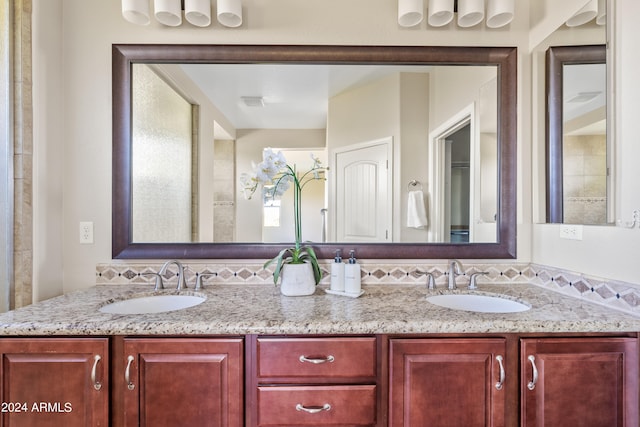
x,y
317,405
323,359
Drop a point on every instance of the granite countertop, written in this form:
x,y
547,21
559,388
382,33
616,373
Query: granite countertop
x,y
261,309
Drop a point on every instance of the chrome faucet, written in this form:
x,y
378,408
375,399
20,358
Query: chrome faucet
x,y
182,283
159,284
473,281
455,268
431,281
200,277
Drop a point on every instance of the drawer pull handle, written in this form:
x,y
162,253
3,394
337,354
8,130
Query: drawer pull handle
x,y
127,376
317,361
500,383
96,383
532,383
313,409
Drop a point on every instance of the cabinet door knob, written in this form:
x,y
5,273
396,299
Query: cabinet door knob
x,y
532,383
96,384
317,361
313,409
500,383
127,376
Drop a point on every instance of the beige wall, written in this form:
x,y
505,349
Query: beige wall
x,y
48,149
72,96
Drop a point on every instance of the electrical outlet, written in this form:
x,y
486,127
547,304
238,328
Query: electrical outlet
x,y
86,232
571,231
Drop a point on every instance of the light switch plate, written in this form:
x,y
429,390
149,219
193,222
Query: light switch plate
x,y
571,231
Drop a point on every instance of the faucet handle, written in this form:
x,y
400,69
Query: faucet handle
x,y
159,284
431,281
199,277
473,281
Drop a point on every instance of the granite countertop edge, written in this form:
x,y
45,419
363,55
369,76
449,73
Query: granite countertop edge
x,y
261,309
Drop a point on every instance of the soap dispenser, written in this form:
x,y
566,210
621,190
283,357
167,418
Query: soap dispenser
x,y
337,273
352,275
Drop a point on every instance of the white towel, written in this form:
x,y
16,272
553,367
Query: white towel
x,y
416,212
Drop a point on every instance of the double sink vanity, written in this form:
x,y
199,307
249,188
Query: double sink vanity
x,y
244,355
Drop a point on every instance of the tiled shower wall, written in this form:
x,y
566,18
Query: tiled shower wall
x,y
585,179
617,295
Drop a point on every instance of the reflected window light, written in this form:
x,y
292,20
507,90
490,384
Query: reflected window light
x,y
271,213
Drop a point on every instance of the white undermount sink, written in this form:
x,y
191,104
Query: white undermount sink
x,y
478,303
152,304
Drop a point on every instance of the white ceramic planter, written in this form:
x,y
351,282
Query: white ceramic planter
x,y
297,280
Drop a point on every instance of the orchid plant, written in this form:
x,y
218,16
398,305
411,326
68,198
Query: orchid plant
x,y
275,177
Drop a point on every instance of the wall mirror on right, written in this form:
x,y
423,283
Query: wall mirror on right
x,y
579,169
577,153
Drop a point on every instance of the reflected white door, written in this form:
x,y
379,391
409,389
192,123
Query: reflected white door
x,y
363,192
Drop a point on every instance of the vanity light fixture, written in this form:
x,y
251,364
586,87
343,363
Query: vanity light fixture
x,y
168,12
470,12
230,12
196,12
410,12
136,11
584,15
499,12
440,12
601,18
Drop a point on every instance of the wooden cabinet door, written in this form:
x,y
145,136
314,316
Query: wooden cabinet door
x,y
587,382
54,382
183,382
446,382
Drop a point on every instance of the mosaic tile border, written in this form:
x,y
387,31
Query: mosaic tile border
x,y
621,296
618,295
252,273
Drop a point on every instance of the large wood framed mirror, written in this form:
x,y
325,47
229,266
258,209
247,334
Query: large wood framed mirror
x,y
493,197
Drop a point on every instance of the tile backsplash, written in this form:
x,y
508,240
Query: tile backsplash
x,y
617,295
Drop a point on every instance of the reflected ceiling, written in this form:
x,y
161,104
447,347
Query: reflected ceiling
x,y
294,96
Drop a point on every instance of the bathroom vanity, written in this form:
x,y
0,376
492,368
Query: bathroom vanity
x,y
249,356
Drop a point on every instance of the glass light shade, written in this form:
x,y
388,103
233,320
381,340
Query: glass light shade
x,y
470,12
584,15
230,12
136,11
500,13
168,12
410,12
198,12
601,19
440,12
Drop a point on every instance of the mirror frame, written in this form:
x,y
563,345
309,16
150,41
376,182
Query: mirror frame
x,y
556,58
124,55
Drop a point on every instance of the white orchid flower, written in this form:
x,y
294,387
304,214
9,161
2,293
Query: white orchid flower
x,y
283,185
